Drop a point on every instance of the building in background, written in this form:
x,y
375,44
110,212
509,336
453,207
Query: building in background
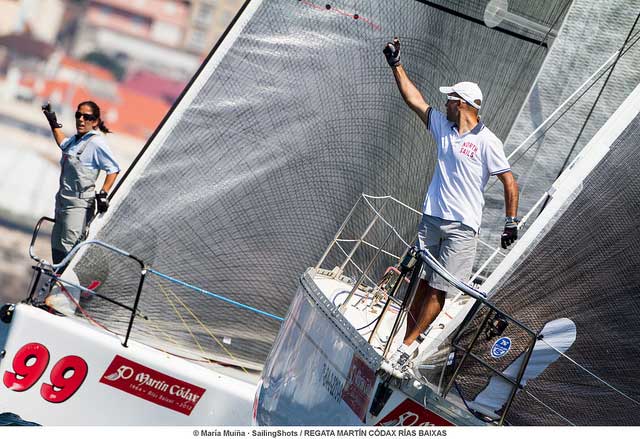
x,y
20,55
154,85
23,51
9,17
67,69
133,57
139,34
40,18
208,20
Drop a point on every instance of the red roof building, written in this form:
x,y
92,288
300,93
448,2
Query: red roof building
x,y
150,84
75,66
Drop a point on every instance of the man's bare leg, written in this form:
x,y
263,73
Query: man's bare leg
x,y
424,309
416,306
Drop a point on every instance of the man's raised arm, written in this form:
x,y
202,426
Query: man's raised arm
x,y
409,92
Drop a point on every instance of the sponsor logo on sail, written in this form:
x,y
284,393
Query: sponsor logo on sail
x,y
151,385
501,347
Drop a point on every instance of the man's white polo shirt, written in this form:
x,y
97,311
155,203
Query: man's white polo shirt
x,y
465,163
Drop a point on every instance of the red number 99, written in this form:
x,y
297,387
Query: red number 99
x,y
67,376
29,364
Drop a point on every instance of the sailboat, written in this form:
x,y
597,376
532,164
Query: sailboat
x,y
292,116
507,363
530,360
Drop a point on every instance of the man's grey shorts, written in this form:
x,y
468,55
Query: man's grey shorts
x,y
453,244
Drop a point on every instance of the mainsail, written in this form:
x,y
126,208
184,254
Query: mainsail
x,y
293,115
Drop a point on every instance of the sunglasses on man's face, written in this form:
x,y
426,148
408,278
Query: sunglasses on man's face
x,y
85,116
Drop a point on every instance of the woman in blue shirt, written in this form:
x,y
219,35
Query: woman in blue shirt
x,y
84,155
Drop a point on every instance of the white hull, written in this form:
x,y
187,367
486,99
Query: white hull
x,y
321,371
134,385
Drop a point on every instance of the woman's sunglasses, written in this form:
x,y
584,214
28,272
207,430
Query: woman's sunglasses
x,y
85,116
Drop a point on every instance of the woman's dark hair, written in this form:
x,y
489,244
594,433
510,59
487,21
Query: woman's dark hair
x,y
96,112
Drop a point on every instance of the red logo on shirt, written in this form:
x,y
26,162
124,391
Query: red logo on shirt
x,y
469,149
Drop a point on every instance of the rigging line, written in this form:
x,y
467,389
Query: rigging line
x,y
389,197
589,372
396,232
355,265
184,322
167,337
595,81
381,250
379,215
84,313
217,296
94,294
547,407
595,103
617,53
165,334
224,348
486,244
98,324
367,325
361,297
603,68
171,340
489,246
204,353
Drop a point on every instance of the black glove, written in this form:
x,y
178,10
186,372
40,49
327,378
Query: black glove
x,y
392,52
102,202
510,233
51,116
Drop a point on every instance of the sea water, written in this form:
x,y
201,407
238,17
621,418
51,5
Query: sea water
x,y
10,419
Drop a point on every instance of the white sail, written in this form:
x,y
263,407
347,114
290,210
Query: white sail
x,y
291,118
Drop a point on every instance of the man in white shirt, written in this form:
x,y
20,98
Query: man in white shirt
x,y
468,154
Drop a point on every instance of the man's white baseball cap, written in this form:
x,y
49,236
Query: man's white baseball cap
x,y
469,91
